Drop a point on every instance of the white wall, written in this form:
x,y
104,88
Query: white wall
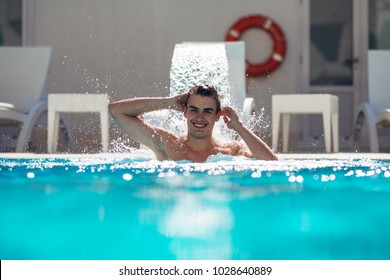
x,y
124,47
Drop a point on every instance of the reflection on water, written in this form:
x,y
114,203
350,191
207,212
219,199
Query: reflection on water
x,y
191,218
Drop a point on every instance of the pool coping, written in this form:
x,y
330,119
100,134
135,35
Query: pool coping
x,y
373,156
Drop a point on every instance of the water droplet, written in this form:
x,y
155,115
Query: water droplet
x,y
127,177
299,179
324,178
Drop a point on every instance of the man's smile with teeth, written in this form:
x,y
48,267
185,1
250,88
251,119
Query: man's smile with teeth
x,y
199,125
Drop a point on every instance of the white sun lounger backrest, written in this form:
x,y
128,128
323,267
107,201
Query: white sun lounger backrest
x,y
23,74
378,79
235,52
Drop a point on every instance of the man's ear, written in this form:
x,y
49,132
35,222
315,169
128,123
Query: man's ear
x,y
218,115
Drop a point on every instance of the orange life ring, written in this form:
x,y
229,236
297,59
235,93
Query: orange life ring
x,y
279,49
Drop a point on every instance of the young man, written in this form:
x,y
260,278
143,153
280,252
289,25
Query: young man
x,y
202,108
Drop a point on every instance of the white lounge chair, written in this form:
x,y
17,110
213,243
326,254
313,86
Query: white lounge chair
x,y
23,88
375,113
285,105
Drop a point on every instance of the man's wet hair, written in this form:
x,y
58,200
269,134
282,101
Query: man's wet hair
x,y
208,91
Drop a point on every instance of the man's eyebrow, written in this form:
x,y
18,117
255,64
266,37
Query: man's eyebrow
x,y
205,109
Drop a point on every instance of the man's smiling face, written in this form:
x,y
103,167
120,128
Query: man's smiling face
x,y
201,115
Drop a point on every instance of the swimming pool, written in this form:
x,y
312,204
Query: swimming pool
x,y
133,207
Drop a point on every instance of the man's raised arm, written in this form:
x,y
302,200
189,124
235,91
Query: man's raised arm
x,y
258,148
127,114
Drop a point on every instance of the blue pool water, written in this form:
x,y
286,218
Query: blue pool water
x,y
226,208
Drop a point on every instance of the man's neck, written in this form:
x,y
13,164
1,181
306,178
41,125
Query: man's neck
x,y
200,144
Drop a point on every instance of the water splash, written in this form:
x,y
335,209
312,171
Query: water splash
x,y
260,124
200,64
196,64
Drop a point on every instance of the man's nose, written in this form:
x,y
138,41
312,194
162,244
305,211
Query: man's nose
x,y
200,115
